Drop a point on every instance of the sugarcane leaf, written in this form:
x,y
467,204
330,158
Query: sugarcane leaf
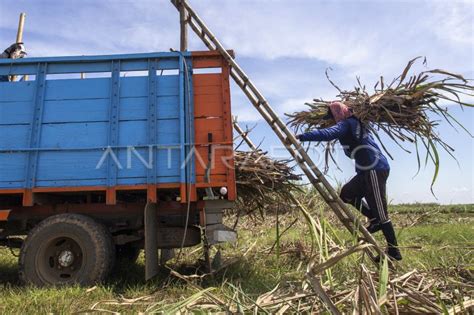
x,y
461,125
407,68
459,102
440,71
383,279
436,163
417,156
330,81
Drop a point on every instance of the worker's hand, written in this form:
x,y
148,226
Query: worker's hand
x,y
15,51
298,137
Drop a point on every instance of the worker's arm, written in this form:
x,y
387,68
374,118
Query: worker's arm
x,y
326,134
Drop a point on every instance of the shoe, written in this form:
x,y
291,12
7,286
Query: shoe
x,y
374,226
393,253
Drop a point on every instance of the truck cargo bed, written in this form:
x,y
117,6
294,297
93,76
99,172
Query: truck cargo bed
x,y
138,122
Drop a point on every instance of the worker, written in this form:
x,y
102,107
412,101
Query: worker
x,y
15,51
372,170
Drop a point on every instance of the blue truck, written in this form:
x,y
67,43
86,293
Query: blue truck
x,y
102,156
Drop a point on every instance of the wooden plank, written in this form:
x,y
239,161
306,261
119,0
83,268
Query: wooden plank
x,y
86,135
12,168
14,136
220,161
17,91
210,79
207,125
13,113
208,90
206,62
208,105
96,110
77,89
71,111
70,165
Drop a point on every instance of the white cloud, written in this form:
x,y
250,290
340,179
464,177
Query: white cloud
x,y
455,21
460,189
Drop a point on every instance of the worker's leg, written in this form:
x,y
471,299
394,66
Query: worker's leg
x,y
376,198
353,192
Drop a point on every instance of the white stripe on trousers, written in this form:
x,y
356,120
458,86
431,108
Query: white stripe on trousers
x,y
377,196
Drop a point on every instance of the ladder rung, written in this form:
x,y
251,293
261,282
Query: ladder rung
x,y
300,159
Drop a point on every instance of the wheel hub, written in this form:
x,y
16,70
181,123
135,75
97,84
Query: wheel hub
x,y
66,258
60,260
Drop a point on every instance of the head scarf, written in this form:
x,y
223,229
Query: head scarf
x,y
339,111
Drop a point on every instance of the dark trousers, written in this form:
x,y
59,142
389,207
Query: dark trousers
x,y
371,185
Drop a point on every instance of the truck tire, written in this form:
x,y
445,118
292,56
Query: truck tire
x,y
67,249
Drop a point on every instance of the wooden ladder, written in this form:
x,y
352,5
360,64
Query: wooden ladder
x,y
287,138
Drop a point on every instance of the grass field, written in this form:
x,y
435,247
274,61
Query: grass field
x,y
432,237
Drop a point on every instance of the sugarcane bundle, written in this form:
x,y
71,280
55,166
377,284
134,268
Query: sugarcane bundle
x,y
262,181
408,109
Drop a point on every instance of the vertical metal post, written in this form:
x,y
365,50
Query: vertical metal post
x,y
35,132
113,132
182,129
183,16
189,111
152,175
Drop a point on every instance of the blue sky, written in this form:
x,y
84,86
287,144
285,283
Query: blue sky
x,y
285,46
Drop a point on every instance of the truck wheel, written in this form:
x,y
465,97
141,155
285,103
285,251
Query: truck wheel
x,y
126,254
67,249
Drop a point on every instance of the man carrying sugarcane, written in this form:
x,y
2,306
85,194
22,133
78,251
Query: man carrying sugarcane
x,y
372,170
15,51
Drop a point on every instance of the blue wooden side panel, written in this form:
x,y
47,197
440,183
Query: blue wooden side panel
x,y
116,130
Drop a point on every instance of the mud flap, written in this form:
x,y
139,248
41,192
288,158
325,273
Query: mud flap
x,y
151,241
